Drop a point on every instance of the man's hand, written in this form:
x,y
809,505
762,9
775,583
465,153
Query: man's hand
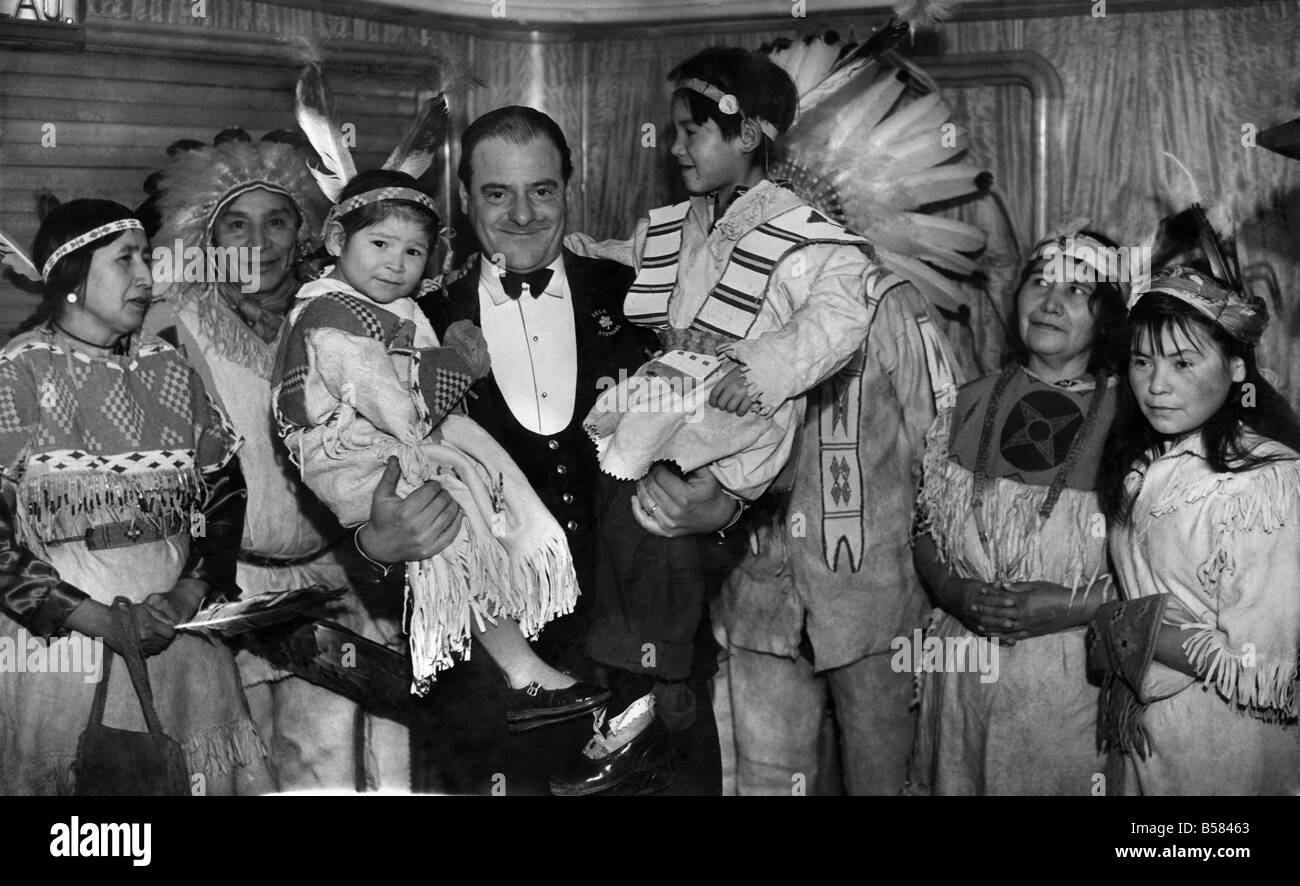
x,y
732,393
413,528
669,506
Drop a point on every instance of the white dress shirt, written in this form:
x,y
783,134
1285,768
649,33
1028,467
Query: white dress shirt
x,y
533,346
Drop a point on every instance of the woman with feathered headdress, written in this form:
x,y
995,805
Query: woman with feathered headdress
x,y
254,208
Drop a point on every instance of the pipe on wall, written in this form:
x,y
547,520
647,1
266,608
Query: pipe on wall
x,y
1019,67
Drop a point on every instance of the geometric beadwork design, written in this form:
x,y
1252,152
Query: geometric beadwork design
x,y
294,380
449,387
174,392
123,413
10,419
61,460
172,438
362,312
57,403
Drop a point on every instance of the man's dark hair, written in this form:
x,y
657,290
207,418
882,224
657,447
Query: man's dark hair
x,y
514,124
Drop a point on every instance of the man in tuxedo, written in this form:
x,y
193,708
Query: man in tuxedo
x,y
557,336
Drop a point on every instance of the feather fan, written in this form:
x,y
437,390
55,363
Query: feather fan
x,y
258,611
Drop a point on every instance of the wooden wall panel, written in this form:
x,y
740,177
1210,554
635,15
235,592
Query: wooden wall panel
x,y
114,114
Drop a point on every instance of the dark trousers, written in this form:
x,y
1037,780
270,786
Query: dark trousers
x,y
649,592
645,590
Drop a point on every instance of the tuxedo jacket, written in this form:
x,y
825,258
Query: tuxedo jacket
x,y
561,467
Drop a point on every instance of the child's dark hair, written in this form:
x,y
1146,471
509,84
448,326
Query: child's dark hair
x,y
762,89
374,213
59,225
1109,347
1131,437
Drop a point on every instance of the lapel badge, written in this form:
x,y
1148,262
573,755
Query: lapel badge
x,y
605,325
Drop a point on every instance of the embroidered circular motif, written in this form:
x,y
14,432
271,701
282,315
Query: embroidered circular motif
x,y
1039,430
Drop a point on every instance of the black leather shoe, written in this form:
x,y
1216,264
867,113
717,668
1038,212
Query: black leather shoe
x,y
651,781
533,706
644,754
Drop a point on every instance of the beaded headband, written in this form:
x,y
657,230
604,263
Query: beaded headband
x,y
727,103
1067,241
338,210
122,224
1242,316
242,189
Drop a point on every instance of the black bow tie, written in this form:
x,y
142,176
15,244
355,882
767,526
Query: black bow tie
x,y
513,283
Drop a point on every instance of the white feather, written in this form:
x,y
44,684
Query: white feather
x,y
817,61
12,256
934,285
312,113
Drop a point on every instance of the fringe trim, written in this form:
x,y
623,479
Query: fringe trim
x,y
1264,498
441,600
61,504
1119,718
229,336
1021,545
934,455
1261,498
223,748
766,379
532,588
53,776
1265,691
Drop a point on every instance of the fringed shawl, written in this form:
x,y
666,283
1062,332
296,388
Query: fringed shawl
x,y
222,329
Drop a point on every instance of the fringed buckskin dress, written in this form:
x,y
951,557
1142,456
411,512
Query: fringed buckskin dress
x,y
1032,730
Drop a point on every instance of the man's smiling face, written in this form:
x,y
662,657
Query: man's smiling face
x,y
516,201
